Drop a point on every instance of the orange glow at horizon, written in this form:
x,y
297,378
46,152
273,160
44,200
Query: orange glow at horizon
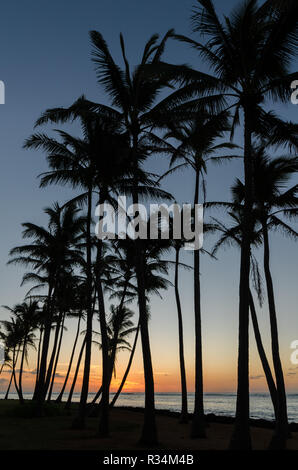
x,y
216,380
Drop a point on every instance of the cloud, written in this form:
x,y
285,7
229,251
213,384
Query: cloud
x,y
256,377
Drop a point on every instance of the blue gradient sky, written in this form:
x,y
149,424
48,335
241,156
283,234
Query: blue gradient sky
x,y
45,62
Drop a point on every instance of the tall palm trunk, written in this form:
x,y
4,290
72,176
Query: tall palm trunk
x,y
184,411
241,434
57,359
149,430
60,396
79,421
281,429
198,421
115,398
68,403
263,357
103,429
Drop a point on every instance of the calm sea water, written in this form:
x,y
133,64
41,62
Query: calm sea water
x,y
220,404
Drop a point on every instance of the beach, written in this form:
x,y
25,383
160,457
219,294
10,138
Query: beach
x,y
54,433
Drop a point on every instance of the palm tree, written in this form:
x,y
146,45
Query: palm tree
x,y
154,270
28,315
66,292
178,244
79,162
272,199
232,234
196,147
119,327
51,252
250,54
133,95
13,339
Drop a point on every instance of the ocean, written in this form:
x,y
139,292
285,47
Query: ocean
x,y
223,404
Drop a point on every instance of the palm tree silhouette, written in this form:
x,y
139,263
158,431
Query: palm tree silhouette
x,y
52,250
133,95
232,234
178,244
196,147
119,327
78,162
272,200
246,72
18,338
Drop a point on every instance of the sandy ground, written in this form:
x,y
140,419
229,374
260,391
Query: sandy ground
x,y
54,433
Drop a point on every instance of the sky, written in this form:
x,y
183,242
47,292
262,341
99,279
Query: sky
x,y
46,62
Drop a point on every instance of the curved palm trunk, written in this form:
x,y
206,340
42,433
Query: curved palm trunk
x,y
79,421
241,438
68,403
115,398
184,411
281,429
149,430
198,421
57,359
60,396
263,357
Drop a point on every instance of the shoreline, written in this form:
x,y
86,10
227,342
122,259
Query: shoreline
x,y
213,418
210,417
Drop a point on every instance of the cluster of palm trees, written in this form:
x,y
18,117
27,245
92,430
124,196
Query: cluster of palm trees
x,y
249,56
